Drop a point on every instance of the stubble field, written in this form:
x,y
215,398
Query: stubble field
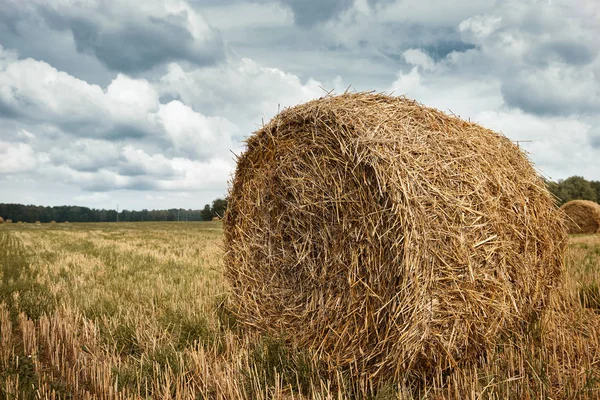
x,y
139,310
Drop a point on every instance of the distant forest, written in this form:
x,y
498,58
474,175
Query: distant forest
x,y
573,188
31,213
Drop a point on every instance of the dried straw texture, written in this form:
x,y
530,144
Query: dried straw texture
x,y
388,237
583,216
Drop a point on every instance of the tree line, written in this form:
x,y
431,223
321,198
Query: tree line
x,y
32,213
574,188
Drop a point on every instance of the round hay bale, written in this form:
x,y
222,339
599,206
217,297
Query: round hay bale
x,y
53,222
388,237
216,218
1,220
8,221
583,216
38,223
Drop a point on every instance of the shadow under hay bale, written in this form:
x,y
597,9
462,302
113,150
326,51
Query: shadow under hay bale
x,y
387,237
583,216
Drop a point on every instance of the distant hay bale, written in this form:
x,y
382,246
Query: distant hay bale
x,y
387,237
8,221
1,220
38,223
583,216
216,218
53,222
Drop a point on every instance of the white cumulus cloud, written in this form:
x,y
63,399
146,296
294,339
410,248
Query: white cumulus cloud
x,y
16,157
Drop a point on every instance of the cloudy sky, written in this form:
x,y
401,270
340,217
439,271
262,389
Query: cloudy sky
x,y
145,102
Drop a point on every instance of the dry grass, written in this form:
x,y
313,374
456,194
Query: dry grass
x,y
583,216
138,311
389,238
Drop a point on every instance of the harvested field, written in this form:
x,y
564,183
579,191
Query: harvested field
x,y
138,311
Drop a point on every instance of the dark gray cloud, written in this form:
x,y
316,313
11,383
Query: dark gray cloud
x,y
144,184
438,42
105,185
552,95
85,155
436,49
102,128
24,29
137,163
122,131
311,12
137,170
120,35
9,111
594,136
138,45
440,49
83,126
521,95
570,52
